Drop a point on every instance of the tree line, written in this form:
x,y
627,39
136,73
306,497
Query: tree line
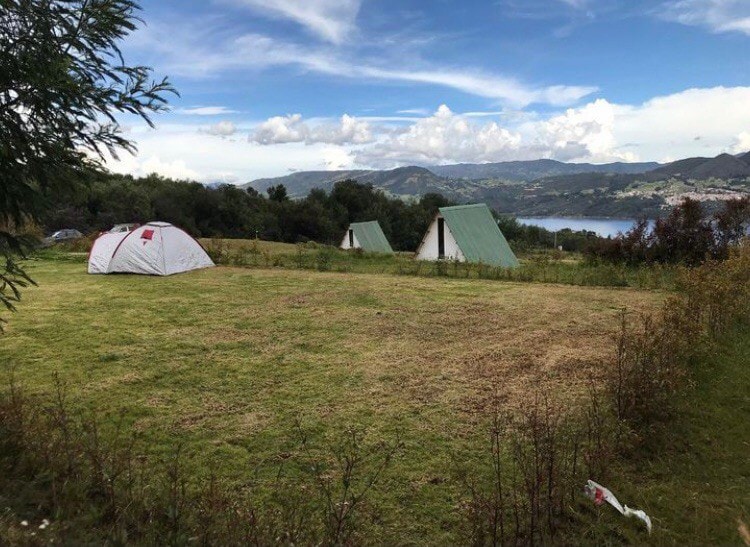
x,y
233,212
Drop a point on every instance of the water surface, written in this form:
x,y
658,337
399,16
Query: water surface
x,y
601,226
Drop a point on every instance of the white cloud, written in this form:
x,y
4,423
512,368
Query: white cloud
x,y
741,143
716,15
336,159
181,151
662,129
348,130
666,126
332,20
291,128
281,130
259,52
222,129
482,84
582,133
143,165
415,111
441,138
484,114
206,111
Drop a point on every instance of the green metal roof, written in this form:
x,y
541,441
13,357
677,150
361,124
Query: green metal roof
x,y
371,237
478,235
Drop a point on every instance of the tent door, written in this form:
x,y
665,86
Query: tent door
x,y
351,239
441,238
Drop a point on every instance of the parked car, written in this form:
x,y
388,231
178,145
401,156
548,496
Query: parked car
x,y
61,235
120,228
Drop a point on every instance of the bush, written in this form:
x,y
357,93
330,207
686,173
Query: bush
x,y
654,353
323,260
522,489
687,236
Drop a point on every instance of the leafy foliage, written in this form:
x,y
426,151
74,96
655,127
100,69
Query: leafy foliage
x,y
63,80
654,352
228,211
12,277
687,236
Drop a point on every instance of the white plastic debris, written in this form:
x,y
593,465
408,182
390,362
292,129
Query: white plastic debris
x,y
599,494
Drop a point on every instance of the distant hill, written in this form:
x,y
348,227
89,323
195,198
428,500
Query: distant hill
x,y
548,187
521,171
412,181
723,166
679,167
299,184
443,178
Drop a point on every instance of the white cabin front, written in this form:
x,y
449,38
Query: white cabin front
x,y
350,240
439,243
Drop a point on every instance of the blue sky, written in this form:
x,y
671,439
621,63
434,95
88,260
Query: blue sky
x,y
273,86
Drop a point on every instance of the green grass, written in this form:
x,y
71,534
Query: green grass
x,y
537,266
697,484
222,361
692,478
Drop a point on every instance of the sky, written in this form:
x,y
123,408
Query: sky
x,y
270,87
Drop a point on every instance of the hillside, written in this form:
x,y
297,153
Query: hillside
x,y
419,180
299,184
402,181
723,166
551,188
519,171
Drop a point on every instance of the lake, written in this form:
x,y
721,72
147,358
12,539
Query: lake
x,y
601,226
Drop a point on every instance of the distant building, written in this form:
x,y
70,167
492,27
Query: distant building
x,y
367,236
467,233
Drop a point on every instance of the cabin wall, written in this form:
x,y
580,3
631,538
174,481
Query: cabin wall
x,y
429,248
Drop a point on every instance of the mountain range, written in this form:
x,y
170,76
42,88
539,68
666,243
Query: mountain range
x,y
549,187
300,183
536,169
723,166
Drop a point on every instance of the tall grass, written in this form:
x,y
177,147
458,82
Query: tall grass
x,y
655,353
521,489
537,267
63,480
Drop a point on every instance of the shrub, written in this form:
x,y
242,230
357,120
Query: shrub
x,y
686,236
323,260
654,353
104,487
520,491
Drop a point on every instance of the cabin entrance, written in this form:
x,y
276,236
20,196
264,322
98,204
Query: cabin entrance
x,y
351,239
441,238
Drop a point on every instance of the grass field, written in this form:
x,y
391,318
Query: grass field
x,y
223,361
542,266
698,485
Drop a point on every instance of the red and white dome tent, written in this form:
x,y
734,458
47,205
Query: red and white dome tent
x,y
156,248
